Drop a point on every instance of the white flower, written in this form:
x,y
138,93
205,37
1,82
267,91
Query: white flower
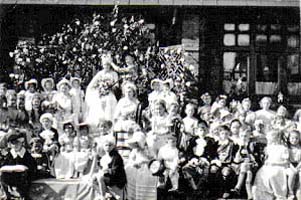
x,y
11,75
74,49
96,23
27,59
11,54
114,30
125,26
125,48
188,84
141,21
112,23
77,22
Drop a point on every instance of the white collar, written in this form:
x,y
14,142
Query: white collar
x,y
16,154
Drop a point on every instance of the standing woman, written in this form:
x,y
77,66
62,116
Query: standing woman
x,y
141,183
63,103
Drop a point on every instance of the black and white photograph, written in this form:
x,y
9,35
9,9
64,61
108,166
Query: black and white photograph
x,y
150,100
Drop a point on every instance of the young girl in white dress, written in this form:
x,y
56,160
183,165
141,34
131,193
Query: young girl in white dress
x,y
265,113
78,96
141,183
31,87
272,178
190,123
63,103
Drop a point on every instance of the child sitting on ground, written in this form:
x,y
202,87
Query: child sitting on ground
x,y
170,156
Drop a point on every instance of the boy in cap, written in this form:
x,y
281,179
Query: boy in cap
x,y
19,168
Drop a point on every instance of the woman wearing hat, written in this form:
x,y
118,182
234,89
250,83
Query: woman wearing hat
x,y
31,87
48,93
63,102
265,113
141,183
156,86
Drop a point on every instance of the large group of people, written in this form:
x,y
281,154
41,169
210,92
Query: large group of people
x,y
57,130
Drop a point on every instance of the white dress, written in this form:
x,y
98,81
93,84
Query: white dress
x,y
79,104
271,179
100,108
266,116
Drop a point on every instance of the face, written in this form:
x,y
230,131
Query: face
x,y
172,141
223,135
48,85
156,86
36,103
12,100
166,87
222,102
68,129
64,88
246,105
200,132
281,112
235,126
129,60
17,144
108,146
189,111
207,100
84,131
47,123
3,90
265,104
32,88
76,84
129,92
159,109
173,108
37,146
244,136
206,116
294,138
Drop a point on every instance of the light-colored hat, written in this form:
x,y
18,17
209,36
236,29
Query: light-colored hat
x,y
45,80
46,116
62,82
31,81
258,122
156,80
138,137
129,85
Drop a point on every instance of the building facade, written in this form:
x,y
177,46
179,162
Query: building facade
x,y
249,45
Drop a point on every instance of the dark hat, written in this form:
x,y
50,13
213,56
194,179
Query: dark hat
x,y
14,136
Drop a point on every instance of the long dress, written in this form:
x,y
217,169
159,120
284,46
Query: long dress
x,y
100,107
271,179
141,183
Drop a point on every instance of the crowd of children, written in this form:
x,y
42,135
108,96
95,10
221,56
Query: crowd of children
x,y
214,149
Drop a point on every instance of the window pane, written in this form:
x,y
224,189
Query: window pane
x,y
293,64
267,68
235,68
261,40
293,41
261,27
229,27
275,39
275,27
244,27
229,39
243,40
293,28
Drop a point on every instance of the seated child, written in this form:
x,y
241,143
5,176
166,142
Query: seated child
x,y
295,159
221,167
19,168
170,156
41,158
82,145
245,162
201,150
111,172
49,136
235,127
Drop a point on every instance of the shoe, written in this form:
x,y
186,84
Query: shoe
x,y
226,195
